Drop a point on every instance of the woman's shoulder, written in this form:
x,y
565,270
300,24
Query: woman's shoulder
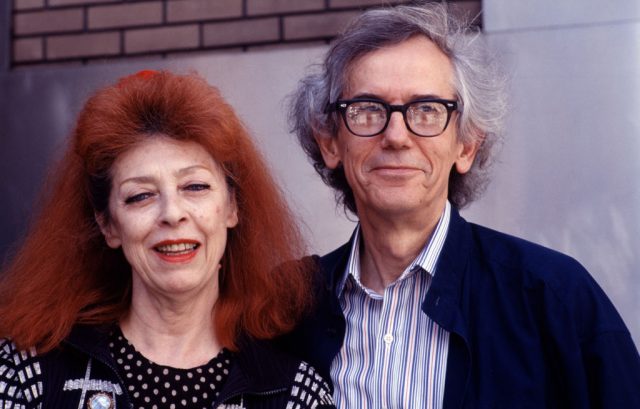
x,y
20,376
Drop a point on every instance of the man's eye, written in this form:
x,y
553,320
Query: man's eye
x,y
196,187
138,198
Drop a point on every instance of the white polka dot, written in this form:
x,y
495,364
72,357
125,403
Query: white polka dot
x,y
166,385
184,402
196,387
146,399
139,377
145,386
131,387
202,379
185,388
129,356
177,377
156,379
174,393
155,391
205,395
163,400
138,363
189,375
165,371
172,406
136,394
194,399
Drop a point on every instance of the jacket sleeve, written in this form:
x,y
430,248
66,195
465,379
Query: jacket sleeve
x,y
608,356
310,390
20,378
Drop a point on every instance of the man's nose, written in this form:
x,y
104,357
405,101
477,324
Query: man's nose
x,y
397,135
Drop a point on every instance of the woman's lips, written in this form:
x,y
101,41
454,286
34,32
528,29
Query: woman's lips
x,y
177,251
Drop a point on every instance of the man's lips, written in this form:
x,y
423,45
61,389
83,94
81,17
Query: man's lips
x,y
395,170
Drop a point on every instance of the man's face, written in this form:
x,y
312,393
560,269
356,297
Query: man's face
x,y
398,172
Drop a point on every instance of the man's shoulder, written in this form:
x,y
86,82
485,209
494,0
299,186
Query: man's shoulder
x,y
515,258
337,256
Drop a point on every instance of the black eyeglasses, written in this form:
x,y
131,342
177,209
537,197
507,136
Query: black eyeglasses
x,y
370,117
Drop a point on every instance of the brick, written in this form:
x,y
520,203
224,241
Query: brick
x,y
164,38
316,25
83,45
125,15
27,4
46,65
197,10
282,6
48,21
361,3
76,2
27,49
241,32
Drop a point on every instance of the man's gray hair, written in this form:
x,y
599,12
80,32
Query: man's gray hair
x,y
479,84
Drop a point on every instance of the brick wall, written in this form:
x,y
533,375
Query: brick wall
x,y
83,31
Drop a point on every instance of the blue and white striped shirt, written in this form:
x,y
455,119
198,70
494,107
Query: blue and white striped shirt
x,y
393,355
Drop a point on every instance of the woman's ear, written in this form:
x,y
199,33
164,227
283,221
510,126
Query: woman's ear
x,y
109,231
232,215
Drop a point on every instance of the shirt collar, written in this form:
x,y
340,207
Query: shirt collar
x,y
426,260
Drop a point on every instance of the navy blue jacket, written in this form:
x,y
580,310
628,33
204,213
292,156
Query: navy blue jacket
x,y
530,328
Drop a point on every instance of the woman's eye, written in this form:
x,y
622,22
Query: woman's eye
x,y
196,187
138,198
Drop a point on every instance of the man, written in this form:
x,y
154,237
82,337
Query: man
x,y
421,309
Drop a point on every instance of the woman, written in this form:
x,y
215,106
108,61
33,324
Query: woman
x,y
158,267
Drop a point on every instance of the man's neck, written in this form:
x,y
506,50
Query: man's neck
x,y
389,245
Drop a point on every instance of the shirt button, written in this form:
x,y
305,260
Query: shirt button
x,y
388,338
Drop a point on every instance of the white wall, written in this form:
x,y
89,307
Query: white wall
x,y
568,175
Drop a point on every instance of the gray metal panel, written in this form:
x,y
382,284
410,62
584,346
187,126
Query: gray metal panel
x,y
568,172
501,15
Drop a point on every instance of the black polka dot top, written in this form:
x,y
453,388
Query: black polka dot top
x,y
153,386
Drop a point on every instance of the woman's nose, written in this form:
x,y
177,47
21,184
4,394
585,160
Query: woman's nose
x,y
172,210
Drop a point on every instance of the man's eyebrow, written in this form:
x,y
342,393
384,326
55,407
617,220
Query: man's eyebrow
x,y
413,97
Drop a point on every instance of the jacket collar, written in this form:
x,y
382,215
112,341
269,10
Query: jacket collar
x,y
443,305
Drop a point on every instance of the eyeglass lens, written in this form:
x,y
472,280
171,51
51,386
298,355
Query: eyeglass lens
x,y
368,118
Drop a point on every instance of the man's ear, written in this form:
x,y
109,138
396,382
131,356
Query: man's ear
x,y
329,148
467,154
109,231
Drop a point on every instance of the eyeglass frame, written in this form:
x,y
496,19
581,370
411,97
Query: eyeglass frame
x,y
341,106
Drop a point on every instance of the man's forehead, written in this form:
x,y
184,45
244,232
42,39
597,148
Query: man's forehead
x,y
415,67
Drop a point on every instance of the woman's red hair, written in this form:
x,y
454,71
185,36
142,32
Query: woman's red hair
x,y
64,274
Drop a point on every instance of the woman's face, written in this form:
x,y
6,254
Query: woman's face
x,y
170,208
